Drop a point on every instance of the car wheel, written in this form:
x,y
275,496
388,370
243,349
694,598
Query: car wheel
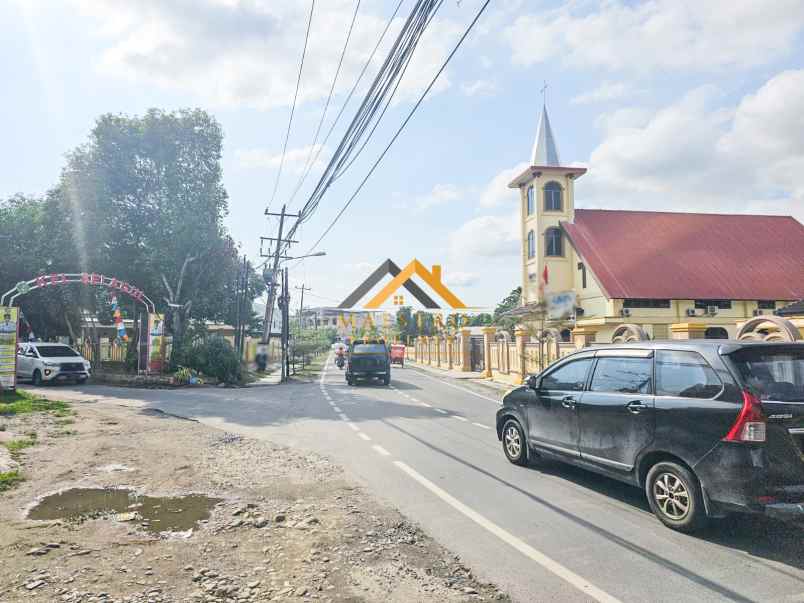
x,y
81,381
513,442
350,381
37,377
675,497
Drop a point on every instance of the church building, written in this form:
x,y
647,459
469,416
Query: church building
x,y
647,273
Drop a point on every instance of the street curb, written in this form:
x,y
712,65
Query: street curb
x,y
495,385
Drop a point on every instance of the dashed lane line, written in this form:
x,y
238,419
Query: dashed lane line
x,y
381,451
481,425
463,389
583,585
425,404
353,426
364,436
441,410
343,416
336,409
460,418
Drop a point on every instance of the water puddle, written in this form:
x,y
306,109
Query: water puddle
x,y
152,514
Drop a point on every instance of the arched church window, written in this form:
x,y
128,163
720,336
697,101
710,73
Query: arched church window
x,y
553,243
530,200
552,196
531,245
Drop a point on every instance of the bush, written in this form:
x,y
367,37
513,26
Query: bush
x,y
215,357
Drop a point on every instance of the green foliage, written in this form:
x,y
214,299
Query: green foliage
x,y
20,444
140,200
21,402
9,479
185,375
511,301
215,357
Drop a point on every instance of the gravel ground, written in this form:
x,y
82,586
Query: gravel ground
x,y
289,524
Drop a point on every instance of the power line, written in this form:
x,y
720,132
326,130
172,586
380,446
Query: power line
x,y
307,164
402,127
293,106
384,83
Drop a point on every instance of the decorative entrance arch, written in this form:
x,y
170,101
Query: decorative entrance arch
x,y
629,332
780,329
83,278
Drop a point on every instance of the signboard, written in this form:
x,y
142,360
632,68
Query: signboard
x,y
8,347
560,305
156,342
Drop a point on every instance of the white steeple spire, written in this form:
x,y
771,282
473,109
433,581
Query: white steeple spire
x,y
545,151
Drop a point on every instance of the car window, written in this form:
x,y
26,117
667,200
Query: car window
x,y
369,348
623,375
57,351
568,377
775,374
685,374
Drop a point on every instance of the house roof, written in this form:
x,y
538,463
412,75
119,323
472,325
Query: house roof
x,y
663,255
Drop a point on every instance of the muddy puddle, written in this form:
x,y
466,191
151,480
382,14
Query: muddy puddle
x,y
152,514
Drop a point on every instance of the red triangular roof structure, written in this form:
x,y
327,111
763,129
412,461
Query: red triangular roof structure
x,y
664,255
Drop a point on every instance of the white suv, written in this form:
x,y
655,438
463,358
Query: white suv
x,y
42,362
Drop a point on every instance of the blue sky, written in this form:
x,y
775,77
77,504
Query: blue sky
x,y
671,104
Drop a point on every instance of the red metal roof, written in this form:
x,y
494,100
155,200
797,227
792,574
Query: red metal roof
x,y
663,255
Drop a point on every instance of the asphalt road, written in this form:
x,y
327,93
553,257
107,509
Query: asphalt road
x,y
545,533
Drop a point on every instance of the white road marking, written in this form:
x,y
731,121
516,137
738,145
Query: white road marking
x,y
481,425
380,450
336,409
413,399
343,416
463,389
540,558
441,410
364,436
460,418
353,426
425,404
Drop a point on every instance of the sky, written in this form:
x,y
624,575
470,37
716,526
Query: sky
x,y
675,105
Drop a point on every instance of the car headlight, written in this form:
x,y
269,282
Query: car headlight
x,y
50,363
87,366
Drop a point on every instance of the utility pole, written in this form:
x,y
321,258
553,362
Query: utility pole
x,y
301,305
285,325
278,242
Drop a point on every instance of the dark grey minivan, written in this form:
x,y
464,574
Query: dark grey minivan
x,y
706,427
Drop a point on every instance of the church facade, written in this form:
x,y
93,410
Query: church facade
x,y
642,273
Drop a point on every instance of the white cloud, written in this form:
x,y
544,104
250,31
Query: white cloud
x,y
699,155
479,88
441,194
659,34
246,53
486,236
605,92
460,279
295,159
497,192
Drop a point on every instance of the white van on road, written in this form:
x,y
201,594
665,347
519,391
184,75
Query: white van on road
x,y
50,362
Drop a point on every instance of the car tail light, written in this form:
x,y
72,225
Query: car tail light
x,y
750,425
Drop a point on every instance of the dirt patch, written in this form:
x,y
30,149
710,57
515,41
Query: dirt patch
x,y
286,525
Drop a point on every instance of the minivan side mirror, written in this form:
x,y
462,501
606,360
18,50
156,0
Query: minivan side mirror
x,y
533,382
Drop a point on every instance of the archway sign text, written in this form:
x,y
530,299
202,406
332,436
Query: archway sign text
x,y
84,278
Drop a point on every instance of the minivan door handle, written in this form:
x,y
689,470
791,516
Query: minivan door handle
x,y
636,406
568,402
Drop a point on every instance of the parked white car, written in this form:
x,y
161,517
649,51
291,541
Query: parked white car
x,y
50,362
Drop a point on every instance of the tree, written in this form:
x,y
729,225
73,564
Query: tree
x,y
511,301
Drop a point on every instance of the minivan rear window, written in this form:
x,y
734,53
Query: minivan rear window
x,y
369,348
775,374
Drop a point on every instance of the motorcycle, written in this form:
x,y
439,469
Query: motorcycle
x,y
340,361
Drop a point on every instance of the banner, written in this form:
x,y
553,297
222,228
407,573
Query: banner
x,y
8,347
156,342
560,305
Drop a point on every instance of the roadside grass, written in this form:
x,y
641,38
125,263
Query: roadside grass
x,y
9,479
311,369
15,446
21,402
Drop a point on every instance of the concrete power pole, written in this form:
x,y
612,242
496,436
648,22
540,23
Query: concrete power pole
x,y
278,242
